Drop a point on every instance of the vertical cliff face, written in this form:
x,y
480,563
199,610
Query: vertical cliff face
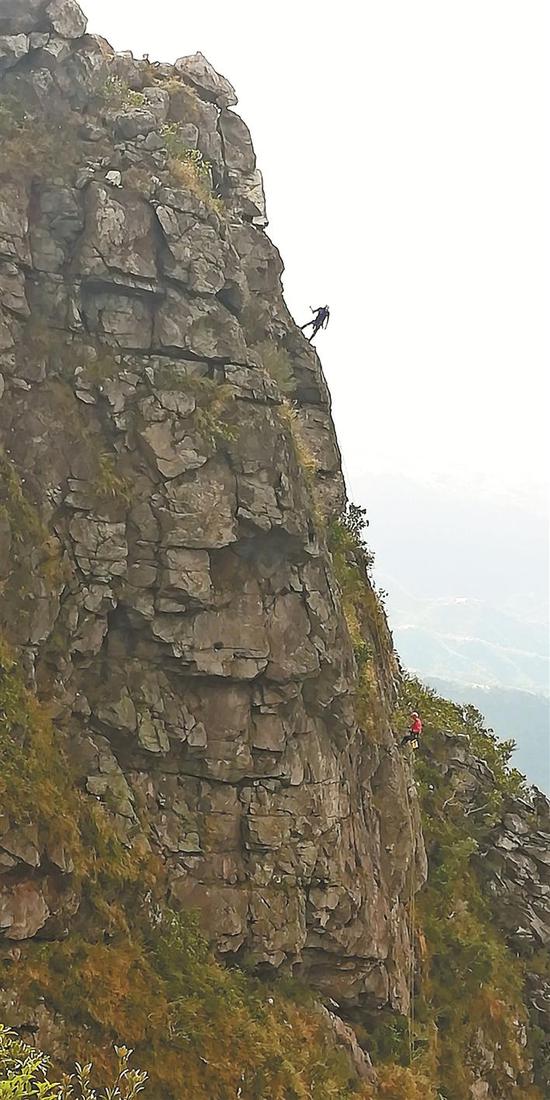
x,y
197,683
170,475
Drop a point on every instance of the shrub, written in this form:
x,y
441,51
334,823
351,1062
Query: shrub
x,y
25,1073
202,1029
454,917
352,560
117,94
347,537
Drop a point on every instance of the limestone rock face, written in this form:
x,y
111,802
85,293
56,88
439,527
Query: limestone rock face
x,y
190,639
61,16
24,16
514,866
66,18
199,72
517,871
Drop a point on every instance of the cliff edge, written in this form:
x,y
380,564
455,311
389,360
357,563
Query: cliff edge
x,y
171,473
199,696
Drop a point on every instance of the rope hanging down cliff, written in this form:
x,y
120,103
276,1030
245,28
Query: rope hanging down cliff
x,y
412,926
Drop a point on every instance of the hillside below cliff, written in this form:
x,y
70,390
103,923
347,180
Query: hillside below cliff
x,y
211,846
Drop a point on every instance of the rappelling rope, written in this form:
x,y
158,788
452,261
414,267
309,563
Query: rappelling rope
x,y
412,931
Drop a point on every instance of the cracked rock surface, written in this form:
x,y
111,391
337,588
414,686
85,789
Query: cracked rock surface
x,y
192,640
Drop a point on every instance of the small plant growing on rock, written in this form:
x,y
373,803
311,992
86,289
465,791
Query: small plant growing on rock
x,y
23,1071
213,401
177,147
189,168
127,1084
109,484
117,94
289,415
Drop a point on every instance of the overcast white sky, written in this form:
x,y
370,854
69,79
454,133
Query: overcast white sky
x,y
402,150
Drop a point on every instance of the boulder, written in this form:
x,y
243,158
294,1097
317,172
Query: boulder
x,y
247,196
12,48
18,16
187,572
237,144
158,102
23,910
133,122
202,75
198,326
67,18
117,236
100,547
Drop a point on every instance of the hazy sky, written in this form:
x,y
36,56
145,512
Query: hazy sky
x,y
402,150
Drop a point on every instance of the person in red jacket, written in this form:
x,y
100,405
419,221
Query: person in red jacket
x,y
415,731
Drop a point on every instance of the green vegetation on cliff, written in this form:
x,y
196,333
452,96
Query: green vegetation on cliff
x,y
470,984
132,972
469,998
178,692
146,977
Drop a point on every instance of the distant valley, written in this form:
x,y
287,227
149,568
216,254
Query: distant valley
x,y
517,714
466,582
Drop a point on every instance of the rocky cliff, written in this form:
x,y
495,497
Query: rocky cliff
x,y
166,582
501,896
198,686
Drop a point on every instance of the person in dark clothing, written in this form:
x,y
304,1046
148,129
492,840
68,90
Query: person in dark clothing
x,y
415,730
321,320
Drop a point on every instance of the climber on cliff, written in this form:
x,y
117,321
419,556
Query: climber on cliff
x,y
321,320
412,738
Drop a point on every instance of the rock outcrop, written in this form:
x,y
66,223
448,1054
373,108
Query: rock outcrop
x,y
512,861
516,870
198,688
166,582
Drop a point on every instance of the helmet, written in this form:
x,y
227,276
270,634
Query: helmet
x,y
414,714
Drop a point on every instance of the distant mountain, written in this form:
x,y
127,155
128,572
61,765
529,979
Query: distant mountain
x,y
516,714
466,574
469,641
